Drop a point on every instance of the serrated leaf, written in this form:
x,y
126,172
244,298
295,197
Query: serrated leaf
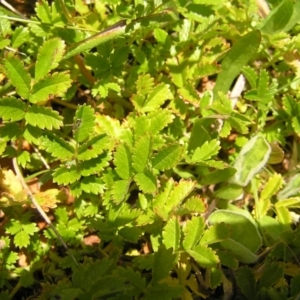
x,y
22,239
12,109
216,233
93,147
123,162
94,165
272,273
193,232
204,256
172,234
251,160
53,85
43,117
157,97
167,157
20,36
49,56
271,188
92,185
163,262
141,153
179,193
146,181
23,158
10,131
239,55
17,75
144,84
206,151
66,175
251,76
215,277
246,282
57,147
84,122
241,228
195,204
119,190
292,188
131,234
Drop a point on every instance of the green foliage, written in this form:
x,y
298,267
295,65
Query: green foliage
x,y
122,122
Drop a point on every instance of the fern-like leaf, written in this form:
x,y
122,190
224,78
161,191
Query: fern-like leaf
x,y
84,122
50,54
12,109
17,75
43,117
53,85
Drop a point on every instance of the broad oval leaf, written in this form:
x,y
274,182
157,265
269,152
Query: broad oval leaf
x,y
252,158
243,230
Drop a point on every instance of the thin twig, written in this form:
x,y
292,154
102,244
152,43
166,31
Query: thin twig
x,y
10,7
38,207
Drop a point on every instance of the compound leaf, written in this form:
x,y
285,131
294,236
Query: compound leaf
x,y
49,56
94,165
163,262
53,85
57,147
205,256
167,157
193,232
180,191
92,185
84,122
12,109
141,153
93,147
17,75
43,117
146,181
66,175
172,234
122,161
206,151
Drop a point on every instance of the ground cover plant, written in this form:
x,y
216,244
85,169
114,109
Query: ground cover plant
x,y
149,150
